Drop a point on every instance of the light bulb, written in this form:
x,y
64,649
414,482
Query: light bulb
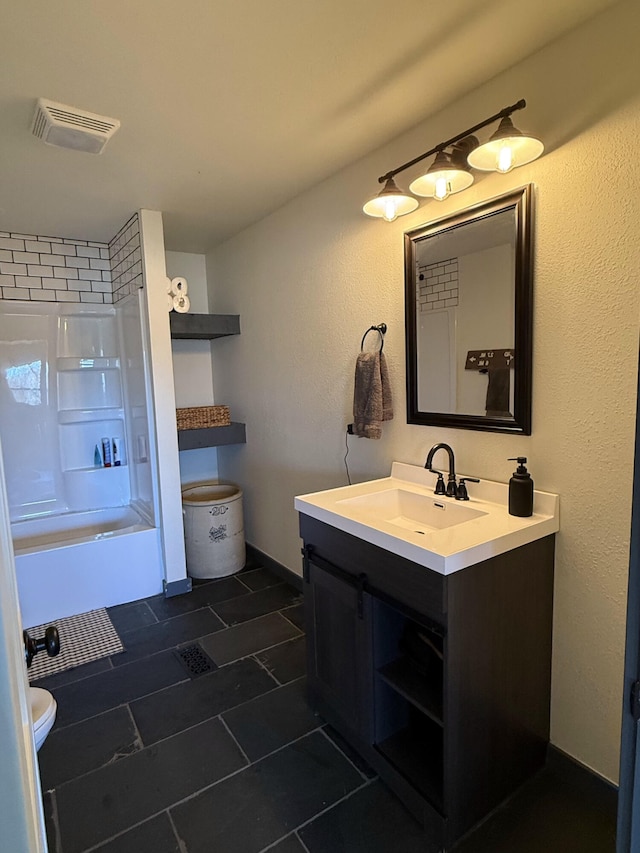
x,y
390,211
442,188
505,158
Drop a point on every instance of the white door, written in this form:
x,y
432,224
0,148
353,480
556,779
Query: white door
x,y
21,815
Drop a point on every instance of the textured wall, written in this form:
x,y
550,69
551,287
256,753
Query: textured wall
x,y
308,280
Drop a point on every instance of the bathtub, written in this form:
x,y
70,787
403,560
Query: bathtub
x,y
68,564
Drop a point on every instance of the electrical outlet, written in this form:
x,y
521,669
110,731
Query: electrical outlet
x,y
350,429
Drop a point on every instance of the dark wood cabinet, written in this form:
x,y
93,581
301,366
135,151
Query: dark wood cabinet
x,y
340,615
441,682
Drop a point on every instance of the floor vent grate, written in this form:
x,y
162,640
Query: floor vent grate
x,y
195,660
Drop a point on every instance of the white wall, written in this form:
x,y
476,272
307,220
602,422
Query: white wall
x,y
309,279
192,369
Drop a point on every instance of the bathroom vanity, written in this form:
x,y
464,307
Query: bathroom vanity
x,y
433,659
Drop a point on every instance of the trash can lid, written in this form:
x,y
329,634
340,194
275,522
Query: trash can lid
x,y
208,493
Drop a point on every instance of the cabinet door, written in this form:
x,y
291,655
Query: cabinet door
x,y
337,614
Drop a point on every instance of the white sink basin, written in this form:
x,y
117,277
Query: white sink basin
x,y
421,513
402,514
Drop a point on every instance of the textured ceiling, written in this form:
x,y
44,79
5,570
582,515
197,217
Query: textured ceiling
x,y
229,108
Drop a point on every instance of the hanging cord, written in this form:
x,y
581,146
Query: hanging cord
x,y
346,442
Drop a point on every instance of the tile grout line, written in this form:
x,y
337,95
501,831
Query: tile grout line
x,y
234,738
302,844
332,806
262,666
56,822
200,791
181,843
136,729
297,627
364,776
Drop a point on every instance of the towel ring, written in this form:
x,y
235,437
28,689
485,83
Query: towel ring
x,y
381,329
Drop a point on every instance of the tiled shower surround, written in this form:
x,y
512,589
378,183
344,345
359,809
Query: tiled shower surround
x,y
126,259
58,269
437,285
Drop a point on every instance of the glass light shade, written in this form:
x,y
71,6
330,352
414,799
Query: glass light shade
x,y
390,202
441,179
507,149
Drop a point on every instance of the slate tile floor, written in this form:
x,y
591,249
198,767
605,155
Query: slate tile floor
x,y
145,759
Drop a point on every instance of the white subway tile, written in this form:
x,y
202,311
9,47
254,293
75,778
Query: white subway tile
x,y
81,263
88,252
53,260
92,275
75,242
43,295
38,246
104,254
79,285
26,258
63,249
91,297
101,286
38,269
13,269
6,256
65,272
53,284
99,264
7,281
12,293
28,281
106,275
108,298
67,296
11,244
24,236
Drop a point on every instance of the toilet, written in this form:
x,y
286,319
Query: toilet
x,y
43,712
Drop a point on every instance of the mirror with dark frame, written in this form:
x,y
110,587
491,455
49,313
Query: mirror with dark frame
x,y
468,309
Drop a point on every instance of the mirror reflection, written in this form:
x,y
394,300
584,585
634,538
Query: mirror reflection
x,y
468,291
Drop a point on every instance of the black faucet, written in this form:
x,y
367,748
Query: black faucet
x,y
451,490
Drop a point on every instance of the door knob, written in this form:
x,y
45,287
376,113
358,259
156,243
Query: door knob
x,y
50,642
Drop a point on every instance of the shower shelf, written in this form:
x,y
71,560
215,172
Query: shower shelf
x,y
88,363
77,416
95,469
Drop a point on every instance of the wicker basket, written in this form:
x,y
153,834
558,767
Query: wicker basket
x,y
202,417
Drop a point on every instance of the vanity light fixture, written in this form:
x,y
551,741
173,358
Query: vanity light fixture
x,y
390,202
507,148
450,171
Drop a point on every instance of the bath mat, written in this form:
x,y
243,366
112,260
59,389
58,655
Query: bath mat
x,y
83,638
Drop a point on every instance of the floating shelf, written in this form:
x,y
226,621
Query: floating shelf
x,y
192,439
203,326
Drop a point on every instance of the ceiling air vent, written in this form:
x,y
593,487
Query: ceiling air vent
x,y
68,127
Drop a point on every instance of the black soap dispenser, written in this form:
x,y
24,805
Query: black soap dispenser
x,y
520,490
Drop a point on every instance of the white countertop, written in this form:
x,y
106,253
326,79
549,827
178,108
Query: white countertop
x,y
445,550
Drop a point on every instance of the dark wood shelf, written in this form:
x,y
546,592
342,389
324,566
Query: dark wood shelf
x,y
203,326
192,439
415,687
418,757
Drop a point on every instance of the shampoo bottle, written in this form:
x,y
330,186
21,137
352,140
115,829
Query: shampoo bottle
x,y
520,490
